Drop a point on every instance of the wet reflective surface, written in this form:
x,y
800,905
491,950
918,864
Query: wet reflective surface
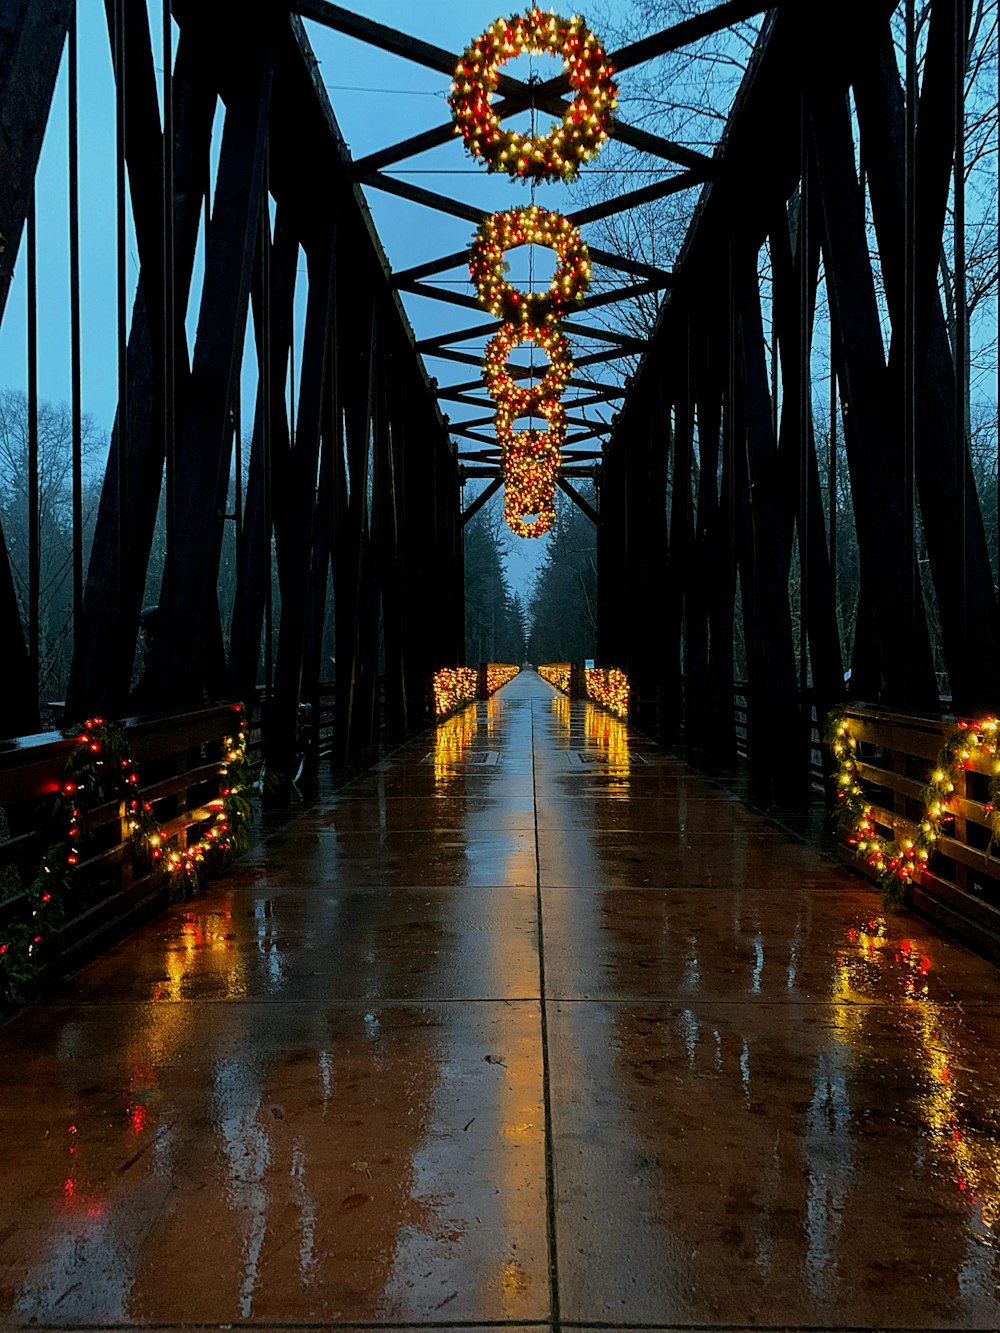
x,y
316,1095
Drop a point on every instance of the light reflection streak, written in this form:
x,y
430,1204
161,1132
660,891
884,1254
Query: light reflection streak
x,y
970,1154
452,738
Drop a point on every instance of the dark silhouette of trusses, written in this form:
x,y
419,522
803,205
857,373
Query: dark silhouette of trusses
x,y
518,96
716,533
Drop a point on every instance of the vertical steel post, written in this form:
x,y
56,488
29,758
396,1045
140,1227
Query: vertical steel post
x,y
960,349
76,395
805,381
170,629
831,466
265,378
124,648
34,558
909,590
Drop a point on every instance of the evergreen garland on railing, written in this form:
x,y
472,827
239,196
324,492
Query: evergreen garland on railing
x,y
101,768
897,862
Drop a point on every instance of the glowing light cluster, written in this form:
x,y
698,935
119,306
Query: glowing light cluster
x,y
609,737
898,861
530,462
609,687
101,768
501,384
453,687
529,226
499,674
559,154
456,686
452,737
530,459
557,674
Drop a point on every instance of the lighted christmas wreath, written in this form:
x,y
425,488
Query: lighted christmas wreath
x,y
586,123
529,226
897,862
550,410
101,768
522,526
529,465
500,383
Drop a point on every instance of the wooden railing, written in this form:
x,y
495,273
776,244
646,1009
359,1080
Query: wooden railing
x,y
960,885
180,763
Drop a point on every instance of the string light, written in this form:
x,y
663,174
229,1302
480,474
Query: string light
x,y
605,686
529,226
100,768
499,674
898,861
530,460
454,687
609,687
559,154
502,386
557,674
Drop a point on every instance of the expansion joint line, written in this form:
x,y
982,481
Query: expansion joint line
x,y
550,1178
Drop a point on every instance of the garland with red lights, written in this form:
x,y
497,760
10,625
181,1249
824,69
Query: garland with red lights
x,y
608,687
500,383
530,460
559,154
101,769
897,862
529,226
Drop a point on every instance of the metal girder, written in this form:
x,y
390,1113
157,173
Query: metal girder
x,y
30,51
459,335
398,152
460,258
461,393
418,195
603,335
594,433
617,294
481,499
462,299
683,180
583,505
687,31
467,302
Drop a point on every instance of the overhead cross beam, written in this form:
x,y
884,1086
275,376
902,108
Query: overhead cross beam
x,y
482,498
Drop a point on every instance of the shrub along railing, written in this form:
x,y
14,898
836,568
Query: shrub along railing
x,y
605,686
920,813
105,825
454,687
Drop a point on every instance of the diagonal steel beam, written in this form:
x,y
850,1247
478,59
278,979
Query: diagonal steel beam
x,y
684,33
432,267
657,146
684,180
462,393
576,497
482,498
616,294
397,152
603,335
626,265
429,198
444,294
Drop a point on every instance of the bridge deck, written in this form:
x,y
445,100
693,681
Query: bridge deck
x,y
530,1024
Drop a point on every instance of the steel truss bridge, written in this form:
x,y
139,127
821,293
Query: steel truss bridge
x,y
708,480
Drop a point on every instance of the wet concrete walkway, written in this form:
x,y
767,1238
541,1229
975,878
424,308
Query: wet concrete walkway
x,y
531,1026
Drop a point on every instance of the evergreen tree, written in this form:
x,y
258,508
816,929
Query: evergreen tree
x,y
564,603
494,617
